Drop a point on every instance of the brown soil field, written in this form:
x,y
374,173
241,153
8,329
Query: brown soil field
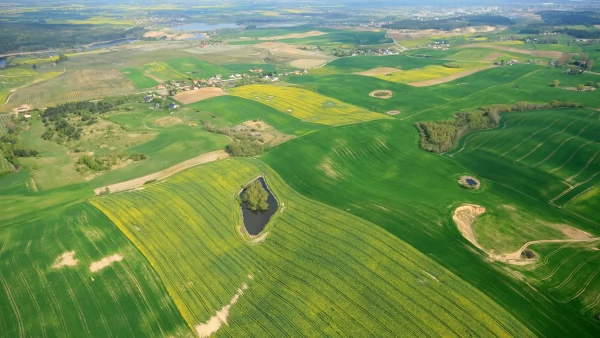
x,y
448,78
138,182
381,94
294,36
280,48
270,135
167,121
169,34
540,53
379,71
492,57
307,63
199,94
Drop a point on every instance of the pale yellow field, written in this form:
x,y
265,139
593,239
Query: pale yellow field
x,y
425,74
306,105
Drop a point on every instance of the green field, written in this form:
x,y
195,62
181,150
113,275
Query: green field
x,y
363,242
42,300
550,155
315,270
138,78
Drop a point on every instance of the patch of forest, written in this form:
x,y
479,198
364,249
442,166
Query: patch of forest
x,y
33,36
441,136
452,23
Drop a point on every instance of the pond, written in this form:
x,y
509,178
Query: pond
x,y
2,62
200,26
255,221
471,182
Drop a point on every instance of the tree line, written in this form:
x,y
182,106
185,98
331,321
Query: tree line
x,y
12,147
441,136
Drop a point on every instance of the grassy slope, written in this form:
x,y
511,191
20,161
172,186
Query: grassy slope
x,y
376,171
197,68
136,75
126,298
320,270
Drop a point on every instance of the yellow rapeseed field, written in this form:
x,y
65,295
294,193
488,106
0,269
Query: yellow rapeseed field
x,y
306,105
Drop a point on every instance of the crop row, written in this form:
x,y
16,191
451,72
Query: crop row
x,y
306,105
318,272
124,299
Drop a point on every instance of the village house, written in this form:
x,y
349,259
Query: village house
x,y
161,86
172,105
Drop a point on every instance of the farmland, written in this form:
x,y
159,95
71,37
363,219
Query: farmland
x,y
47,296
121,216
75,86
317,290
306,105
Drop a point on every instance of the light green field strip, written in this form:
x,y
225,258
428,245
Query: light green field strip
x,y
49,288
306,105
319,271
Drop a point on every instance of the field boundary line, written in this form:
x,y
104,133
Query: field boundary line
x,y
140,181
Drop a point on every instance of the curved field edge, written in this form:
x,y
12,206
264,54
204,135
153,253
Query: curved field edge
x,y
320,270
46,296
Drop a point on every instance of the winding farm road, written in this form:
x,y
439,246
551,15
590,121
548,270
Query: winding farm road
x,y
138,182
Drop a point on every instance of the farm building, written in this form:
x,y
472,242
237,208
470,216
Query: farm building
x,y
172,105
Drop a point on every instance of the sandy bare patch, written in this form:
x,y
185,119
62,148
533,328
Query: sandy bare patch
x,y
138,182
199,94
294,36
464,217
214,323
104,262
540,53
393,112
573,233
168,121
381,94
379,71
327,167
448,78
66,259
307,63
267,133
463,181
585,89
260,238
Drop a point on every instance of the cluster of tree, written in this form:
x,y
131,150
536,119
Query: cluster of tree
x,y
561,18
452,23
55,118
256,197
580,33
29,37
441,136
102,163
245,146
11,146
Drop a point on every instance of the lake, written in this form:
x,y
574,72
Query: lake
x,y
203,27
255,221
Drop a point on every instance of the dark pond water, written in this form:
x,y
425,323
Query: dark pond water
x,y
471,182
2,62
200,26
255,221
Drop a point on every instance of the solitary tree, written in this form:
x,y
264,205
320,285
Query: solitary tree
x,y
580,87
555,83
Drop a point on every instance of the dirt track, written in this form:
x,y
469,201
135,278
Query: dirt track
x,y
138,182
